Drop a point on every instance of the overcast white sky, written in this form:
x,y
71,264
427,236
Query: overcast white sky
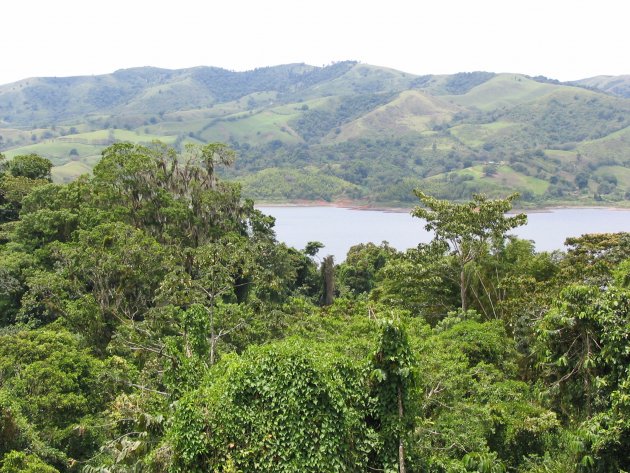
x,y
562,39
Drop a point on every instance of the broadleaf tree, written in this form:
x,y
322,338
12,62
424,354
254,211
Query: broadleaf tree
x,y
471,228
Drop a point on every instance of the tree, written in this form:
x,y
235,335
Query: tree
x,y
490,170
285,407
54,384
14,269
177,199
20,462
117,270
219,269
506,279
393,377
328,280
312,248
581,180
420,280
31,166
582,348
13,190
470,228
357,274
591,258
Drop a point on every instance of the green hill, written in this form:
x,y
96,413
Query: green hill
x,y
411,111
502,92
616,85
344,131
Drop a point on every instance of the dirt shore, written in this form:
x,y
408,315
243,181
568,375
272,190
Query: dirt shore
x,y
354,205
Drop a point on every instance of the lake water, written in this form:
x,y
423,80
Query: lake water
x,y
340,228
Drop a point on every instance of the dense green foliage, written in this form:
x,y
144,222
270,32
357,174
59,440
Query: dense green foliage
x,y
304,407
150,322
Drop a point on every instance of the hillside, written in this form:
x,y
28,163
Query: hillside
x,y
616,85
349,130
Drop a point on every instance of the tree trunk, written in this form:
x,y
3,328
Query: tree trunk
x,y
328,273
213,339
462,289
401,446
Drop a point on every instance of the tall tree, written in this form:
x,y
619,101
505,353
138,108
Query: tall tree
x,y
328,278
177,199
392,371
470,228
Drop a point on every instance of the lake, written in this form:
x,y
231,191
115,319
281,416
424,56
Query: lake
x,y
340,228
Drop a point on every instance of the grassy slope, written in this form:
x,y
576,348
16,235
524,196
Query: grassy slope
x,y
616,85
502,91
254,128
614,146
70,171
411,111
58,152
278,185
622,174
361,79
475,135
505,177
86,145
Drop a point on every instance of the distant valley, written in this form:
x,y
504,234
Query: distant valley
x,y
345,132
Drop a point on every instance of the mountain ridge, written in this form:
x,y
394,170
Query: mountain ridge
x,y
379,130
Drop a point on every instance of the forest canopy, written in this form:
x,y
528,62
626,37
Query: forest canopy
x,y
151,322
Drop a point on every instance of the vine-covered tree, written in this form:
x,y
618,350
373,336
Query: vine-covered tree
x,y
393,382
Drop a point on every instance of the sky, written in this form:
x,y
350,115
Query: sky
x,y
560,39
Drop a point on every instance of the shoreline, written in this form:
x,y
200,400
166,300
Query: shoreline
x,y
350,205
